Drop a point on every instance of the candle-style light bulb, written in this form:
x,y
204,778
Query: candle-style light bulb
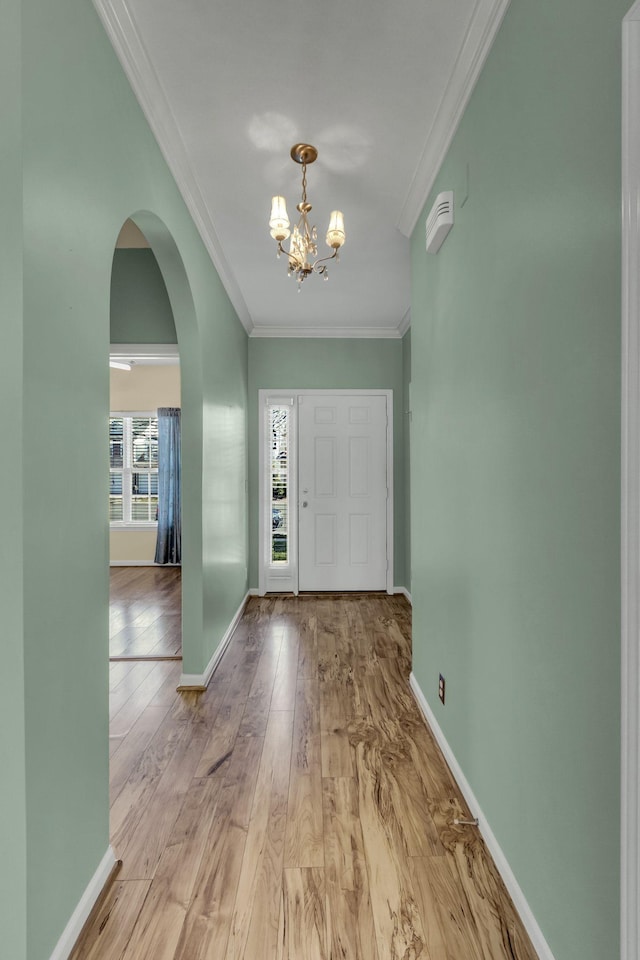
x,y
335,234
279,221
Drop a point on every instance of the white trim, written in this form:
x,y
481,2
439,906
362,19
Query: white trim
x,y
404,592
630,493
482,30
79,917
162,354
405,323
531,925
334,333
133,413
141,563
204,679
145,83
134,525
253,592
390,493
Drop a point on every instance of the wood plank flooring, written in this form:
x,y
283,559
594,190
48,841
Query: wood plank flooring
x,y
145,612
299,809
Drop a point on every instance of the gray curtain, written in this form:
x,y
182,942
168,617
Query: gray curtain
x,y
169,542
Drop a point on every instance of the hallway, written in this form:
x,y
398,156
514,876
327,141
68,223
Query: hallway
x,y
297,810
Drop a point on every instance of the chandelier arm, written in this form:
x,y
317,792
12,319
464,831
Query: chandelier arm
x,y
291,257
323,260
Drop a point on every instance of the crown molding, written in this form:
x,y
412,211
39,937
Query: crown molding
x,y
334,333
405,323
481,32
134,59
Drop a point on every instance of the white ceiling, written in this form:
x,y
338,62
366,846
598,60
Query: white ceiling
x,y
229,85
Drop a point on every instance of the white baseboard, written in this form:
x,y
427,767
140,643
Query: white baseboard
x,y
140,563
531,925
203,679
253,592
404,592
73,929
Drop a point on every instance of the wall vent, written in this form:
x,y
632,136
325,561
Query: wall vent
x,y
439,221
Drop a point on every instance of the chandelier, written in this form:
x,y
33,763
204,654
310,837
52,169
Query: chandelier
x,y
303,246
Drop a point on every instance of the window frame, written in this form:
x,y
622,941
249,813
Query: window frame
x,y
277,575
127,470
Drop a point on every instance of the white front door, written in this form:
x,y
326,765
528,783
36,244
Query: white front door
x,y
342,492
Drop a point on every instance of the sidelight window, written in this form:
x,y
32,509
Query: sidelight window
x,y
279,426
278,498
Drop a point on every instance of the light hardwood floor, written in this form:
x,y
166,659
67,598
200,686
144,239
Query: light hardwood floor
x,y
297,810
145,612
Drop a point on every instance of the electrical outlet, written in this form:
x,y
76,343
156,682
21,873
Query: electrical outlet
x,y
441,688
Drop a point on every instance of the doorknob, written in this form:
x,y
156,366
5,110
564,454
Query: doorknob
x,y
304,503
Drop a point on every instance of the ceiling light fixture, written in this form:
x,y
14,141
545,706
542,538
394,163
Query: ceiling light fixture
x,y
303,247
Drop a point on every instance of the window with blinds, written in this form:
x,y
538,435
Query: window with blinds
x,y
133,466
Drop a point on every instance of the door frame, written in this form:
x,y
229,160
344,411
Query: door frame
x,y
290,583
630,493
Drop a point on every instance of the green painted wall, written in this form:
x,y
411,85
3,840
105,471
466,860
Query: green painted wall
x,y
12,760
323,364
140,307
406,493
90,161
516,461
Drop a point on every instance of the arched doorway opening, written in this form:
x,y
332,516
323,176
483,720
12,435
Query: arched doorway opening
x,y
145,607
152,326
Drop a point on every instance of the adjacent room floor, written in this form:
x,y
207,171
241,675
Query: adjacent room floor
x,y
297,810
145,612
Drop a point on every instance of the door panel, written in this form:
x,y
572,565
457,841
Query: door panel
x,y
325,551
359,466
359,538
342,471
325,466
